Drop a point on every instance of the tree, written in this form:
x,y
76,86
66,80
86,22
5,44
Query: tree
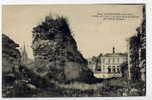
x,y
124,69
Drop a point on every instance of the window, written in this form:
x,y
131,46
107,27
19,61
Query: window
x,y
118,69
109,70
113,69
98,69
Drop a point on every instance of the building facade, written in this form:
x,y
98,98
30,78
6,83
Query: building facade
x,y
110,65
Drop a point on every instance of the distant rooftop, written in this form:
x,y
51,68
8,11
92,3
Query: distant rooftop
x,y
115,54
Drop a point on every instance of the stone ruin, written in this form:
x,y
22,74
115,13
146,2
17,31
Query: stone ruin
x,y
56,53
10,58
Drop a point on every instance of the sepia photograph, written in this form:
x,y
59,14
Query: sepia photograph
x,y
74,50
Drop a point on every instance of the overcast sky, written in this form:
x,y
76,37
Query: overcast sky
x,y
94,35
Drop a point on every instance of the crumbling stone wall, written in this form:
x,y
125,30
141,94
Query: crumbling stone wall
x,y
10,56
54,45
10,64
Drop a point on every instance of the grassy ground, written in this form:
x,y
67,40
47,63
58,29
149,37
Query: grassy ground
x,y
106,88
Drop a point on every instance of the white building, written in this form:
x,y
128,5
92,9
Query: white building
x,y
110,65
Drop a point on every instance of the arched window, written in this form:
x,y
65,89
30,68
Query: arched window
x,y
109,70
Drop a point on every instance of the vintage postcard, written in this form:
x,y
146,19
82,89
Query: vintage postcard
x,y
74,50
